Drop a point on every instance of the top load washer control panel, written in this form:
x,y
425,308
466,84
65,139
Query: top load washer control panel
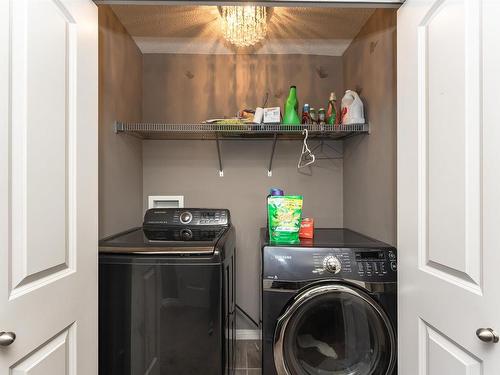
x,y
161,217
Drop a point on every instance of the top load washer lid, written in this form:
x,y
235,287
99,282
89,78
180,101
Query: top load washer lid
x,y
174,241
331,237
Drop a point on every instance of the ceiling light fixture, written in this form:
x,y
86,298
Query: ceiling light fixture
x,y
243,26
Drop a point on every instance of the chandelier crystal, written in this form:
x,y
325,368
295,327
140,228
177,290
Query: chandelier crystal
x,y
243,26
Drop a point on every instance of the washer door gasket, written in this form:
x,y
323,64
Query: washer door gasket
x,y
334,329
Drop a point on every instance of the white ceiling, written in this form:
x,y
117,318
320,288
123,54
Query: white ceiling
x,y
195,29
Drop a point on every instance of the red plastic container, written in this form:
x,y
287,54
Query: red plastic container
x,y
306,228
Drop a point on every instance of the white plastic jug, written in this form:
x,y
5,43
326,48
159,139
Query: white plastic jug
x,y
352,108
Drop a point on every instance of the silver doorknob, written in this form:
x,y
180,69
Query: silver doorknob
x,y
487,335
7,338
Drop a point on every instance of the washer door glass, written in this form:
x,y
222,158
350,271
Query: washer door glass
x,y
341,331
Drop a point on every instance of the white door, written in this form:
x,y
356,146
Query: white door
x,y
48,187
449,186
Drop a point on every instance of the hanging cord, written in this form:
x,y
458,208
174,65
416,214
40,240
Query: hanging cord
x,y
306,155
265,99
247,316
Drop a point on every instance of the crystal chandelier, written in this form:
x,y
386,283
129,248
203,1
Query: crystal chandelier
x,y
243,26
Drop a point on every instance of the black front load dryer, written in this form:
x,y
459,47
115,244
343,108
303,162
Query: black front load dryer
x,y
329,306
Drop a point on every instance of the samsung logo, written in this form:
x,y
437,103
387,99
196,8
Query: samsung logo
x,y
282,257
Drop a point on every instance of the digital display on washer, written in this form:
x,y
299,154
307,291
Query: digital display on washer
x,y
370,255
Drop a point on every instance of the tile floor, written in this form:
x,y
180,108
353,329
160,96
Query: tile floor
x,y
248,357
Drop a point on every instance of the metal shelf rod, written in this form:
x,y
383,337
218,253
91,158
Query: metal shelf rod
x,y
221,170
270,168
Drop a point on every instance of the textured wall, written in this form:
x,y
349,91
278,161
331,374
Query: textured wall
x,y
359,192
120,98
192,88
190,169
369,66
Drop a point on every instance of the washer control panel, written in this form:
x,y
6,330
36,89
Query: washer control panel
x,y
363,264
332,262
375,262
186,217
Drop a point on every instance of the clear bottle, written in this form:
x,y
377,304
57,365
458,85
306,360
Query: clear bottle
x,y
313,115
321,116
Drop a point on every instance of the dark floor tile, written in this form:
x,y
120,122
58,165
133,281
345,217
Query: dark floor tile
x,y
240,355
253,354
256,343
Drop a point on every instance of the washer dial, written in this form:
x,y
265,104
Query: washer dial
x,y
332,264
186,217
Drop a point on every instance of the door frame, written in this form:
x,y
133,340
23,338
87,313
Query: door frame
x,y
269,3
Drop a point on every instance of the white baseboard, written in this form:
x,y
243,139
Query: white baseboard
x,y
247,334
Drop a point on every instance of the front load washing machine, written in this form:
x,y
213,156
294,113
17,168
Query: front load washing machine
x,y
329,306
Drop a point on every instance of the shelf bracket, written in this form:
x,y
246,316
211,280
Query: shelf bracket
x,y
217,141
118,127
320,146
270,167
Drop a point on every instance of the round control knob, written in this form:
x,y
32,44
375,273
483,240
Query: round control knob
x,y
186,234
186,217
332,264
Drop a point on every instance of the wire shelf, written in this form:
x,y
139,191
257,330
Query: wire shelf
x,y
237,131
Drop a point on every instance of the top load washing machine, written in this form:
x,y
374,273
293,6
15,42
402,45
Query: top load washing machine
x,y
329,306
167,295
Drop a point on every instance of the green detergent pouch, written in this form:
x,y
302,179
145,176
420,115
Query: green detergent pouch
x,y
285,213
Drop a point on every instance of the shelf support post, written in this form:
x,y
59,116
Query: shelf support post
x,y
270,167
221,171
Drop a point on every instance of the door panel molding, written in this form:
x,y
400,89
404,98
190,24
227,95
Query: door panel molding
x,y
56,356
438,354
42,144
450,143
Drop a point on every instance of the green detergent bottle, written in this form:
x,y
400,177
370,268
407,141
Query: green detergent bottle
x,y
331,114
291,116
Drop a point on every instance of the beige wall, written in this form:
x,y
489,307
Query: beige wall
x,y
190,169
358,192
120,98
370,161
192,88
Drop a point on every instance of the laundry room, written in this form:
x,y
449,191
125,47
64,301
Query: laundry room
x,y
277,187
171,65
168,65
